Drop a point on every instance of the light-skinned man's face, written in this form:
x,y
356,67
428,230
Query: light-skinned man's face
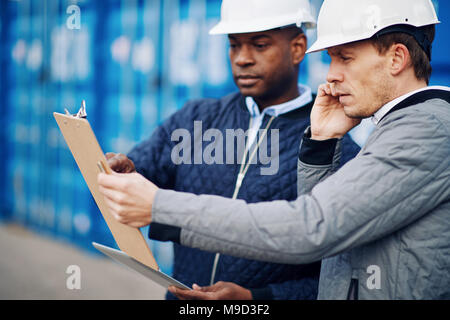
x,y
265,64
361,78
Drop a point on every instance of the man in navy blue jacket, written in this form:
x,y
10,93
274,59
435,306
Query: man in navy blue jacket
x,y
187,152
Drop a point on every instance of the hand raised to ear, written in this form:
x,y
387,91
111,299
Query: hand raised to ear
x,y
328,118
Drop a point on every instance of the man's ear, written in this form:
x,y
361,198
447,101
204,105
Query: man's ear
x,y
298,48
400,58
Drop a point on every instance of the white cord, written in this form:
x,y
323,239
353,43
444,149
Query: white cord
x,y
242,172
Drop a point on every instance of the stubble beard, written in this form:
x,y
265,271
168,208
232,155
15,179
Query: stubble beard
x,y
382,94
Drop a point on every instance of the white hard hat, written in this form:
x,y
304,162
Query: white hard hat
x,y
242,16
345,21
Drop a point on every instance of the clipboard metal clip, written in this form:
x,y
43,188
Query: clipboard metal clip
x,y
81,113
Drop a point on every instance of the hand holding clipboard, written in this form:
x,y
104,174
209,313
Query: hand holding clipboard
x,y
91,160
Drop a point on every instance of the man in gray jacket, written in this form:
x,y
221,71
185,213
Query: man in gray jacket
x,y
381,223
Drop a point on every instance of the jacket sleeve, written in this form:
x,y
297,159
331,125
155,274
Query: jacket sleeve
x,y
400,176
317,160
305,287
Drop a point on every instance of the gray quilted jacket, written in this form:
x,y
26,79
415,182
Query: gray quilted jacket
x,y
381,223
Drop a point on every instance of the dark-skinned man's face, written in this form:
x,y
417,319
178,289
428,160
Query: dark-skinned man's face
x,y
265,64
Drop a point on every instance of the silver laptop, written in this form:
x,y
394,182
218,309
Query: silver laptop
x,y
154,275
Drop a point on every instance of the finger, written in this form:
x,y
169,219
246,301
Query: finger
x,y
121,157
192,295
332,87
114,164
172,289
321,91
109,155
124,217
126,164
196,287
179,293
324,90
111,181
114,206
127,216
120,163
136,224
328,89
113,195
212,288
114,173
122,210
116,211
195,294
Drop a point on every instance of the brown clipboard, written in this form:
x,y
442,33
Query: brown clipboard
x,y
90,159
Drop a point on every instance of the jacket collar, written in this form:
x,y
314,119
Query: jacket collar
x,y
412,98
304,99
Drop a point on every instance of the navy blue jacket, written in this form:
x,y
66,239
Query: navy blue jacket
x,y
153,159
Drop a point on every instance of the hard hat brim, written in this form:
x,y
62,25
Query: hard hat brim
x,y
246,27
324,43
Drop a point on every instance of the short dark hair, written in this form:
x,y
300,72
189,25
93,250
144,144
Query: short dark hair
x,y
419,58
